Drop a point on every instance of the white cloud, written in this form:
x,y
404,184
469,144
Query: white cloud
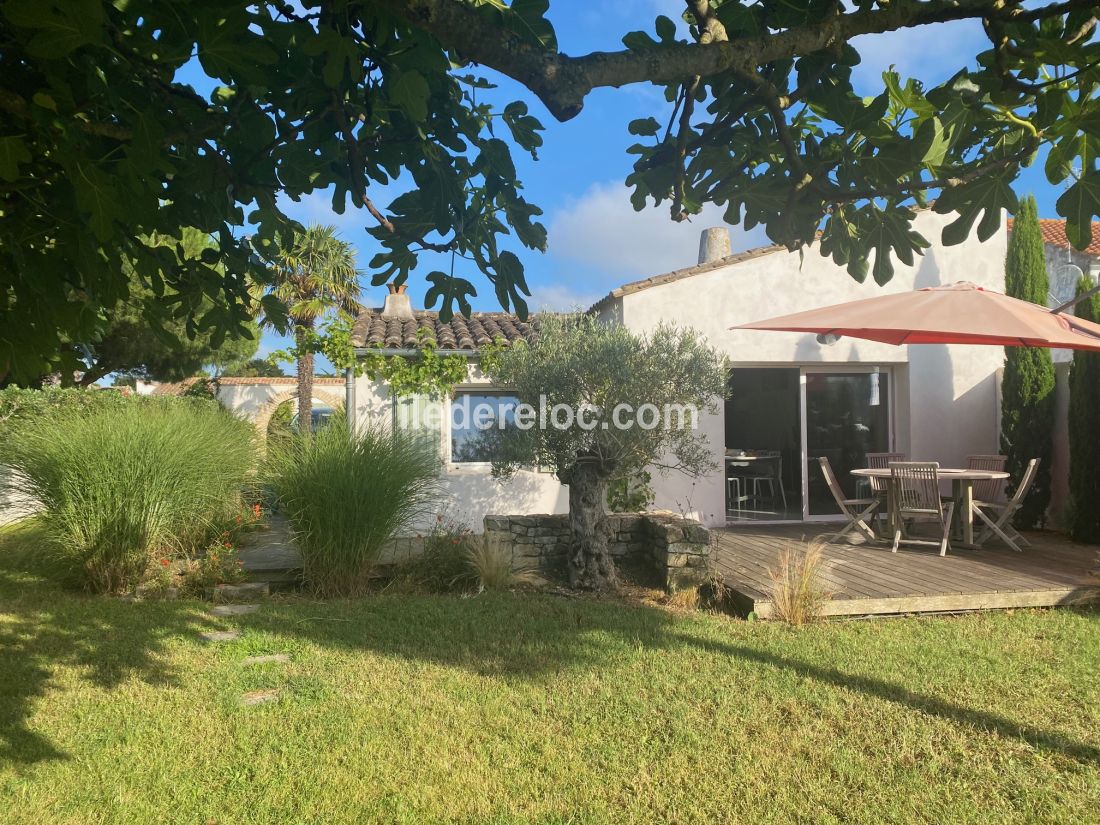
x,y
929,53
560,298
601,230
316,207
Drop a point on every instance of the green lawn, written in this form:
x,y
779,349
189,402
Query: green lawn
x,y
504,708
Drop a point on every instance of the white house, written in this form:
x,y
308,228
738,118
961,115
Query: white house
x,y
791,398
472,492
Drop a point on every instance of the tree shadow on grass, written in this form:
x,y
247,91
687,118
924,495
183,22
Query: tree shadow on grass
x,y
496,635
500,636
901,695
42,627
511,638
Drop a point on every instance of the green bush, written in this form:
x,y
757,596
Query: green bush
x,y
18,404
443,565
1084,425
631,493
129,482
346,496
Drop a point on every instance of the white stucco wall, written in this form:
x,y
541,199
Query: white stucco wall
x,y
945,396
470,491
247,399
259,398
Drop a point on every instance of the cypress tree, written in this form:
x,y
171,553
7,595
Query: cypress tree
x,y
1084,424
1027,390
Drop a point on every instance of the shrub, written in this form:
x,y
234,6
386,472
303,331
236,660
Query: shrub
x,y
345,496
631,493
127,483
442,566
18,405
797,594
1083,516
218,565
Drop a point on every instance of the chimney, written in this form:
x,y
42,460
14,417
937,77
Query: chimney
x,y
398,306
714,244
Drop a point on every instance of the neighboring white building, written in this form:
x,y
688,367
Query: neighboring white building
x,y
792,398
257,398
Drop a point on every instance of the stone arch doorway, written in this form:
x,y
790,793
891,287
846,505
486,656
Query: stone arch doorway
x,y
264,414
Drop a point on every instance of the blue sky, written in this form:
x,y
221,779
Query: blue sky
x,y
596,240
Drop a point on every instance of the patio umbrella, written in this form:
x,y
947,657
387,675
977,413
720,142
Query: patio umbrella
x,y
962,313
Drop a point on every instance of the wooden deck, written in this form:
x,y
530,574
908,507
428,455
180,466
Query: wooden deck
x,y
868,579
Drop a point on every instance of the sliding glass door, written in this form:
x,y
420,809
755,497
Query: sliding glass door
x,y
779,420
847,415
763,445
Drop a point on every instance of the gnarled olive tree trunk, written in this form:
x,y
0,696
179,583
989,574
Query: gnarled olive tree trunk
x,y
590,563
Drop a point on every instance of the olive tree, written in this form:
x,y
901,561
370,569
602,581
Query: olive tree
x,y
602,402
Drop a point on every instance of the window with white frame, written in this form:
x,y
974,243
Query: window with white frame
x,y
479,419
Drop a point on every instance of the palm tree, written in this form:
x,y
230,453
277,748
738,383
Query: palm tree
x,y
314,274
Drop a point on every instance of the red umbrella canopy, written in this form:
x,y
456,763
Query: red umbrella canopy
x,y
963,313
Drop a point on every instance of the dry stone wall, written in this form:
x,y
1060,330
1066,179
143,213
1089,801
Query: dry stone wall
x,y
678,548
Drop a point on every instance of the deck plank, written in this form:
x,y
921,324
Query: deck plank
x,y
867,579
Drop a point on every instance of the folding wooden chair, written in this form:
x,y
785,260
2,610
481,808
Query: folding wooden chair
x,y
916,499
997,515
849,506
880,461
991,489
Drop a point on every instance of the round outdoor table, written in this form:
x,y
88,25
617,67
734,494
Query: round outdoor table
x,y
962,490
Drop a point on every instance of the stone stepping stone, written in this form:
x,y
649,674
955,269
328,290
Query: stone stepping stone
x,y
221,635
247,592
233,609
259,697
263,660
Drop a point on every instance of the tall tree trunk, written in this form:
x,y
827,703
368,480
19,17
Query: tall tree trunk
x,y
590,563
305,384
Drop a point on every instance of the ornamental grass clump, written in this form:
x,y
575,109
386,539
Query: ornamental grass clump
x,y
797,593
346,495
492,567
122,486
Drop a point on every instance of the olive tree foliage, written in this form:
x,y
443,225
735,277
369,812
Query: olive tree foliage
x,y
593,380
103,142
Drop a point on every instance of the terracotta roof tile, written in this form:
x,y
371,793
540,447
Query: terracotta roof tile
x,y
173,387
1054,234
460,333
277,380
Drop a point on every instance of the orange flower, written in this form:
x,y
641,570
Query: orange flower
x,y
164,562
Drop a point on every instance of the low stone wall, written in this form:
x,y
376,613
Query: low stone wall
x,y
678,548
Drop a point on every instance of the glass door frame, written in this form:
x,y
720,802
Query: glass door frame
x,y
835,369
